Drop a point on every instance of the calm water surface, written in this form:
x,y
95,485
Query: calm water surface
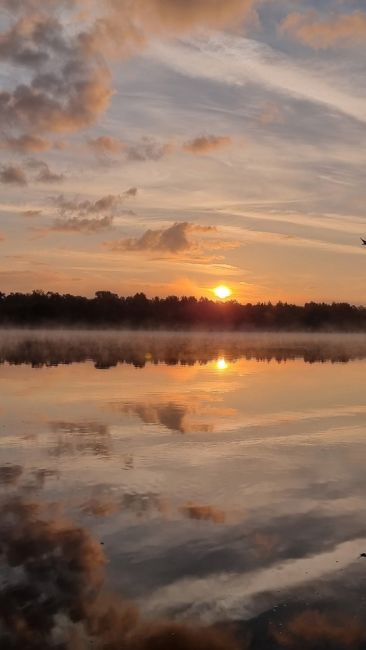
x,y
208,478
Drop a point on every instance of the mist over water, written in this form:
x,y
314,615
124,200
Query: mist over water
x,y
207,480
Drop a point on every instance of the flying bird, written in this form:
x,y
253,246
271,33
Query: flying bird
x,y
363,241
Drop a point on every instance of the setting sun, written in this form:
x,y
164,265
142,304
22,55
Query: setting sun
x,y
222,292
221,364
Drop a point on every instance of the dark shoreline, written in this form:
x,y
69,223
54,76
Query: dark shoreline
x,y
108,310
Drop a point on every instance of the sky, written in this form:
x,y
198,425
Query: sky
x,y
170,146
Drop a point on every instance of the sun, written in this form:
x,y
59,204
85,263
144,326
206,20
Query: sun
x,y
222,292
221,364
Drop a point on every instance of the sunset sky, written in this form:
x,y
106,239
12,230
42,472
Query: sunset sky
x,y
170,146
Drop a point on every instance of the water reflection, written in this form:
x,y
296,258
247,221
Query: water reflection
x,y
253,516
107,349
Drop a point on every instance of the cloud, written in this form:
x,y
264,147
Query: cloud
x,y
13,175
128,27
63,90
131,192
231,59
67,81
320,32
106,145
173,239
83,225
44,175
9,474
148,149
108,203
75,438
55,593
145,149
206,143
31,213
270,114
55,567
26,144
100,507
203,513
171,415
88,217
312,629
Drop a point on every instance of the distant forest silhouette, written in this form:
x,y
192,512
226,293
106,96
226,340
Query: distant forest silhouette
x,y
107,309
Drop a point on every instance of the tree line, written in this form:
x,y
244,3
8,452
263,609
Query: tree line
x,y
107,309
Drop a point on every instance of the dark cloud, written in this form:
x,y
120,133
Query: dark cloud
x,y
171,415
174,239
13,175
108,203
87,216
206,143
9,474
83,225
44,173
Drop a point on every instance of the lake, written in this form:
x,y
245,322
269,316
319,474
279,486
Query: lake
x,y
213,480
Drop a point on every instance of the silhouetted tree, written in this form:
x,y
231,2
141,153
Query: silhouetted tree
x,y
107,309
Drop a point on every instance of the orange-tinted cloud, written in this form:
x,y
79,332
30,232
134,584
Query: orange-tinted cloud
x,y
127,27
206,143
313,629
320,32
31,213
69,81
203,513
106,145
26,144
